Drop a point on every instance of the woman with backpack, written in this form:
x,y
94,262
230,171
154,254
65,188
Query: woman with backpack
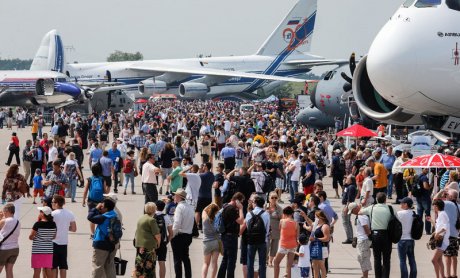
x,y
276,213
72,171
129,170
212,245
147,239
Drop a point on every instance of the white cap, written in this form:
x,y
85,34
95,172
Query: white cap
x,y
112,196
46,210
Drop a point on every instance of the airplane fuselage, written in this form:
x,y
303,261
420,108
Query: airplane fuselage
x,y
35,88
414,60
120,72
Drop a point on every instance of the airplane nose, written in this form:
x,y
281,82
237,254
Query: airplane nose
x,y
391,60
67,88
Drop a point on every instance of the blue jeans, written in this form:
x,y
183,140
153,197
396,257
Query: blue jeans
x,y
129,177
293,188
228,264
390,184
406,249
73,188
262,250
179,152
424,205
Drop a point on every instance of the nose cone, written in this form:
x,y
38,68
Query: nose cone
x,y
67,88
391,59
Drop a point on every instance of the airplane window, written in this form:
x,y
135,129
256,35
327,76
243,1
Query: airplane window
x,y
328,75
408,3
453,4
427,3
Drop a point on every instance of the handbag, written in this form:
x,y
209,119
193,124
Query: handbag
x,y
433,243
12,147
14,229
120,265
316,250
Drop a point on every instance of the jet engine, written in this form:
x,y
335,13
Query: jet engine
x,y
372,104
44,87
193,90
151,86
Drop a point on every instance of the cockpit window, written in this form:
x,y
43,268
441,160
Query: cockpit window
x,y
61,79
427,3
329,75
453,4
408,3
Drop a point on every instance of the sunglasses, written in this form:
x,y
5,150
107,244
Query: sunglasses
x,y
273,198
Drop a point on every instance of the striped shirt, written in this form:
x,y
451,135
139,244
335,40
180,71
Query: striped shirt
x,y
43,241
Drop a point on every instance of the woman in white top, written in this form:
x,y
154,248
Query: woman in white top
x,y
9,249
441,232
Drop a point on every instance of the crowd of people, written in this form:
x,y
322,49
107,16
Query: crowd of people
x,y
238,180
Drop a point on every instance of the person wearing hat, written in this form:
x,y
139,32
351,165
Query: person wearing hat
x,y
42,235
337,171
182,233
406,244
175,179
363,245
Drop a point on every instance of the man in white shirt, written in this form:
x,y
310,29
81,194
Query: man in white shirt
x,y
65,222
406,244
182,234
149,179
52,152
294,167
363,246
193,183
368,188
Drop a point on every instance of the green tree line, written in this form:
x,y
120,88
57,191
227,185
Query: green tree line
x,y
15,64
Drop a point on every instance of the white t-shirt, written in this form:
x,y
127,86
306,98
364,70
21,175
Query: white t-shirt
x,y
13,241
52,153
193,187
259,179
227,125
443,222
406,218
363,220
368,185
63,218
296,173
305,260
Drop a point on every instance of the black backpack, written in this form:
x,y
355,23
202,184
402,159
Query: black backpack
x,y
231,190
341,165
160,218
416,230
269,183
394,227
256,229
416,187
115,230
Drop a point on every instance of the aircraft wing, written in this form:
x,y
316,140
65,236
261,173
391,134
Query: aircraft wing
x,y
104,88
316,63
219,73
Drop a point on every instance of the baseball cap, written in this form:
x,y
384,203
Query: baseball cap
x,y
408,201
46,210
111,196
351,206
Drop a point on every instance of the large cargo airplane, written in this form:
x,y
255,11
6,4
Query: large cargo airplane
x,y
283,57
413,68
48,86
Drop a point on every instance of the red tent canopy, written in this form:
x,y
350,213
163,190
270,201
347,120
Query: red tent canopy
x,y
356,130
436,160
141,100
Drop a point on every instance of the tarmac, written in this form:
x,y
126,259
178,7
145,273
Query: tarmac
x,y
342,261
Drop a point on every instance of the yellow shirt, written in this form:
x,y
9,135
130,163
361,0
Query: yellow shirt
x,y
381,172
35,127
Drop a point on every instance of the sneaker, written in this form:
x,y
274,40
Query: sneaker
x,y
91,236
347,242
34,203
167,193
115,190
161,190
134,193
73,201
124,193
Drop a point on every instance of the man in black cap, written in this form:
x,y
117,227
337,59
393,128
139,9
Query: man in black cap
x,y
406,244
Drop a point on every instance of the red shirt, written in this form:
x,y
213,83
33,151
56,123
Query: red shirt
x,y
15,140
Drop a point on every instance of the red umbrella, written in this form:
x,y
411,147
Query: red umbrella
x,y
356,130
436,160
141,100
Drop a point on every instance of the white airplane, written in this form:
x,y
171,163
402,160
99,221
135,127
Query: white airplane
x,y
412,68
281,58
47,86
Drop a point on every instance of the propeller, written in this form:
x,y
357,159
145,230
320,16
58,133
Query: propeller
x,y
348,86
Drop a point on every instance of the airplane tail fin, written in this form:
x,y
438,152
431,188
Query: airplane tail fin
x,y
295,31
50,54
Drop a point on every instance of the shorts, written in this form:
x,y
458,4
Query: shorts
x,y
108,180
286,251
305,271
60,256
452,249
336,180
42,260
202,203
91,205
38,192
210,246
162,251
8,256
